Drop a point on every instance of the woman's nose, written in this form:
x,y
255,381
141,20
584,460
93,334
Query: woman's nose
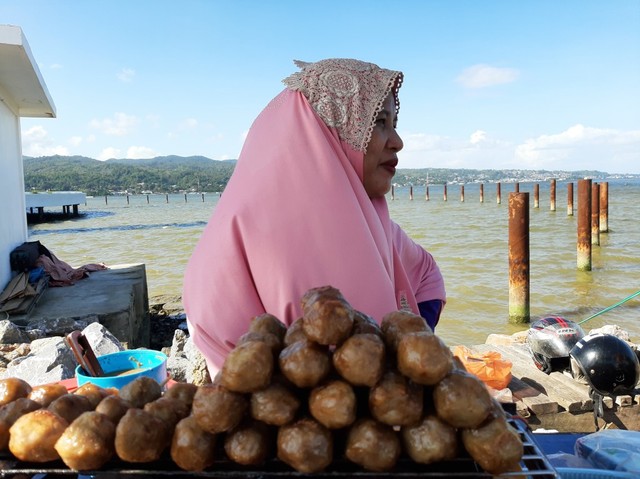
x,y
395,142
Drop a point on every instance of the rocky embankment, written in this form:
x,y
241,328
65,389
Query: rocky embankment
x,y
40,355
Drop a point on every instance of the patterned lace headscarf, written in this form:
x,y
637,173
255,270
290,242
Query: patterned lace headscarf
x,y
347,94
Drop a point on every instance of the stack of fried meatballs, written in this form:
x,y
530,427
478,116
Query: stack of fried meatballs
x,y
335,384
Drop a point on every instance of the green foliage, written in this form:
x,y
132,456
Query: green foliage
x,y
173,174
166,174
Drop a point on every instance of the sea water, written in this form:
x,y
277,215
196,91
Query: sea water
x,y
469,240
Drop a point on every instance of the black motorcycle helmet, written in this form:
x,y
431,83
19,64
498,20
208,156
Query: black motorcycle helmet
x,y
550,339
607,363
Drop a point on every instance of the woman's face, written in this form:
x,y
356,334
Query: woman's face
x,y
381,158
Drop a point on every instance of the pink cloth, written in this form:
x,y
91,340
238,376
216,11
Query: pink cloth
x,y
293,216
63,274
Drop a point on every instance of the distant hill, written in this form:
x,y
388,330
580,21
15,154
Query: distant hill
x,y
171,174
163,174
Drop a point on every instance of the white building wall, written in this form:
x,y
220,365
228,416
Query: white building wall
x,y
13,221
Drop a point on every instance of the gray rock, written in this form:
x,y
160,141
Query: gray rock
x,y
101,340
10,333
185,362
50,360
61,326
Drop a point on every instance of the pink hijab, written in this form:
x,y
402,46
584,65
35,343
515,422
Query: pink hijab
x,y
295,215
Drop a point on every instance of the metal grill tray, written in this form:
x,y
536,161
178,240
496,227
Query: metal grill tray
x,y
534,464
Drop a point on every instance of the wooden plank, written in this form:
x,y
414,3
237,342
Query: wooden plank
x,y
563,390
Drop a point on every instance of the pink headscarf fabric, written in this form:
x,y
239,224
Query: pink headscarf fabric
x,y
295,215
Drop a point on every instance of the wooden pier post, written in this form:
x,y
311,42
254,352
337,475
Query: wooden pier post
x,y
584,225
595,214
552,194
498,194
166,196
426,194
569,199
604,207
393,192
127,198
411,192
203,197
185,197
481,192
147,199
516,187
106,202
519,278
444,195
536,195
462,193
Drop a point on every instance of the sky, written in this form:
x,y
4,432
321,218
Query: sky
x,y
489,84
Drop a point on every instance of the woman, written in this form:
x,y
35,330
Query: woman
x,y
305,207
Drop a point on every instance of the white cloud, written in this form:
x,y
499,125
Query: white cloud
x,y
582,147
139,152
126,75
36,142
75,140
55,66
478,136
120,125
483,76
109,153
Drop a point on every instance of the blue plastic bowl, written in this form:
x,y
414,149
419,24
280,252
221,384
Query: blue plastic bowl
x,y
124,366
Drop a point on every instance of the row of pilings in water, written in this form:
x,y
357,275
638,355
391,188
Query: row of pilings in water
x,y
593,219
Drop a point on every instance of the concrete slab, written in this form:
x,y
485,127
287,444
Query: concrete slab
x,y
117,297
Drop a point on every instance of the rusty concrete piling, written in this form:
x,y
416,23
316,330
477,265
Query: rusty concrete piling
x,y
604,207
462,193
536,195
595,214
481,192
127,198
552,194
584,225
426,194
498,193
393,192
516,187
444,194
569,199
166,197
519,270
410,192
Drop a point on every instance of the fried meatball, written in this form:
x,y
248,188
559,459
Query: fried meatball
x,y
424,358
372,445
192,448
276,404
217,409
248,367
305,445
169,411
305,363
70,406
274,343
430,440
183,392
248,443
34,435
462,400
12,389
294,333
114,407
360,359
333,404
364,324
327,318
398,323
495,445
9,414
140,391
88,442
268,323
395,400
140,436
93,393
45,394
